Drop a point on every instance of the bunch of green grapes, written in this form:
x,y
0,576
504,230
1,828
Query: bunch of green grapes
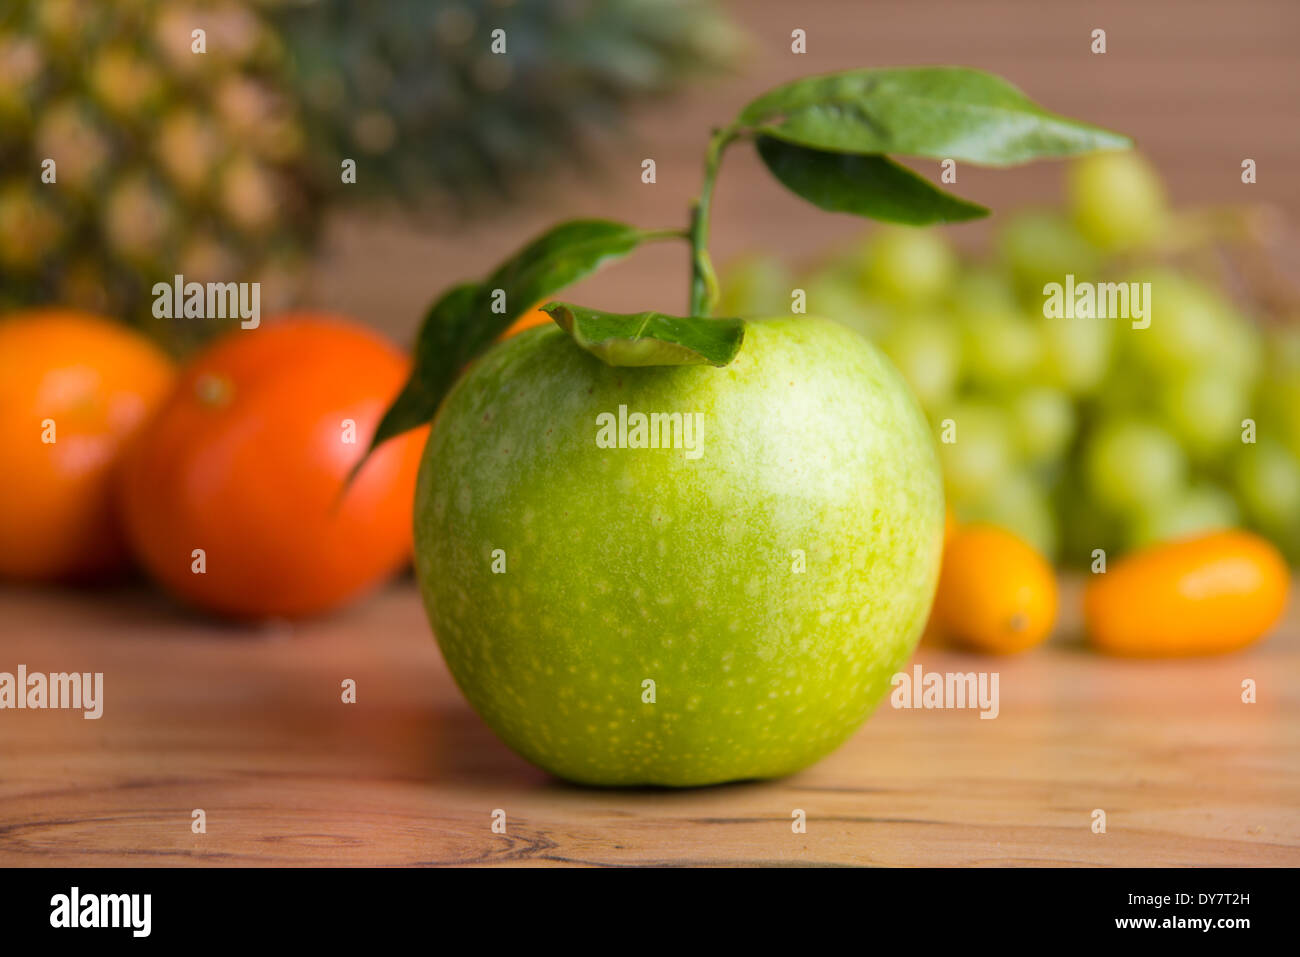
x,y
1076,433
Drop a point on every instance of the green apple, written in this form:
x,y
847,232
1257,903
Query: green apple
x,y
730,608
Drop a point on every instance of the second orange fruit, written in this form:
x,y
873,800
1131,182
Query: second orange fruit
x,y
996,593
533,317
247,463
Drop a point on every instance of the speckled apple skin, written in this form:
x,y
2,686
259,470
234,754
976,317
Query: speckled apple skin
x,y
624,566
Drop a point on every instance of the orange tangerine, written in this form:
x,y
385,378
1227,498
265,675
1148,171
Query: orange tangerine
x,y
533,317
74,388
1204,595
997,593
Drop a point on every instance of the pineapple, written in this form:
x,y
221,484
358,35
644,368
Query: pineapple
x,y
219,165
420,101
165,160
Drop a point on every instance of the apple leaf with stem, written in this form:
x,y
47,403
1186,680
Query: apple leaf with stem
x,y
825,139
839,126
649,338
471,316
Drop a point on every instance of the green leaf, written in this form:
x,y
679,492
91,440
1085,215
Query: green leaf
x,y
937,112
448,326
462,323
650,338
872,186
560,256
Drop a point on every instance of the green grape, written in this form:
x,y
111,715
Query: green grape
x,y
980,291
1201,508
1077,353
1186,328
1002,346
1002,349
1043,423
1117,200
1084,525
1021,505
833,295
1131,464
755,285
1242,352
1267,478
926,351
975,449
910,266
1283,347
1041,247
1280,388
1204,411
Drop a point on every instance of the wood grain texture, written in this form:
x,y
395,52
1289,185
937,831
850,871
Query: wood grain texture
x,y
248,725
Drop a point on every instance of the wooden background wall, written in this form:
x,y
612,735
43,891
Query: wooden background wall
x,y
1200,84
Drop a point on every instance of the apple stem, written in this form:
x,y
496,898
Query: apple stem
x,y
704,281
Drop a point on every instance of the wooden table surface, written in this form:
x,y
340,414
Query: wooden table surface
x,y
248,725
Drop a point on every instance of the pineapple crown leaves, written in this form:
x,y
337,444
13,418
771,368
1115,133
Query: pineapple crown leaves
x,y
826,139
419,98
